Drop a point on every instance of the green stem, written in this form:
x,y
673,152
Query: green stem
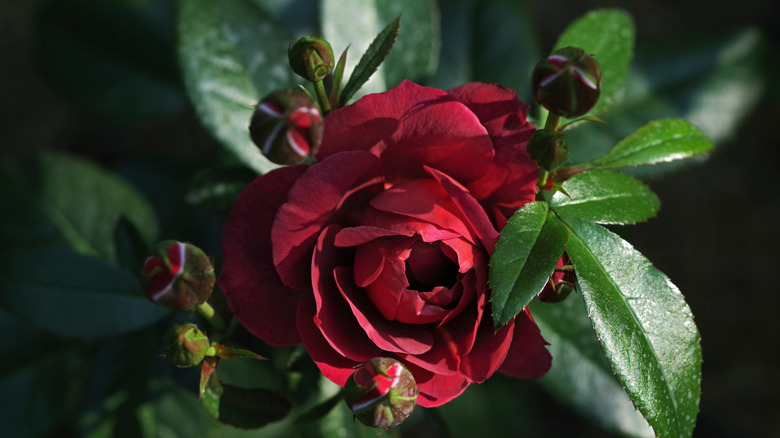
x,y
553,120
208,313
322,96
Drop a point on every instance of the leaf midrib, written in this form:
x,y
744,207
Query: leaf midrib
x,y
667,386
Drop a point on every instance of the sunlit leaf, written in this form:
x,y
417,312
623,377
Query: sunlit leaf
x,y
232,54
524,258
643,324
606,197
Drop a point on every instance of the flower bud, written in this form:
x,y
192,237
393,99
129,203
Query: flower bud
x,y
561,282
177,276
381,393
311,58
185,345
287,127
548,149
567,82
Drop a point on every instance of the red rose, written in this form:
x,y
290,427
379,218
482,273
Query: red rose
x,y
382,247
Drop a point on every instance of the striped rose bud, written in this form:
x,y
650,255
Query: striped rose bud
x,y
567,82
185,345
177,276
381,393
287,127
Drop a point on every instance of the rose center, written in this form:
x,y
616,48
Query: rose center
x,y
427,267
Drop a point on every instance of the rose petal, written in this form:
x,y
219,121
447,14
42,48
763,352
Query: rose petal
x,y
334,366
475,215
249,280
437,389
405,225
312,203
410,126
426,200
333,315
387,335
527,357
510,181
488,353
371,257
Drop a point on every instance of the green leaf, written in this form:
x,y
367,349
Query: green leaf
x,y
607,198
416,50
714,82
530,245
643,324
415,54
244,408
113,60
608,34
60,200
73,294
369,62
580,374
659,141
232,54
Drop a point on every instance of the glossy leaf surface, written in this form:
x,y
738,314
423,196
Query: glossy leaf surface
x,y
580,373
606,197
657,142
232,53
524,258
643,324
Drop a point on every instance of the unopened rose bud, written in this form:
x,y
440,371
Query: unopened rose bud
x,y
311,58
381,393
548,149
287,127
177,276
567,82
561,283
185,345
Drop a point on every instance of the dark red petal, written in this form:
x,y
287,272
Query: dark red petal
x,y
437,389
426,200
407,226
510,181
488,353
497,107
312,204
333,316
334,366
410,126
387,335
527,357
371,257
470,209
254,292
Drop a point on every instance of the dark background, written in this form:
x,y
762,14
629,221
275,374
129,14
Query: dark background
x,y
715,237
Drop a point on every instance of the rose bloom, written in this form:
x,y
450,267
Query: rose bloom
x,y
382,247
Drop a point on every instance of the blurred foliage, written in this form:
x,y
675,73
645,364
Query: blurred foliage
x,y
86,370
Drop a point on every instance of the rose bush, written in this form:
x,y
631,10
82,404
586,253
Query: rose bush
x,y
382,247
